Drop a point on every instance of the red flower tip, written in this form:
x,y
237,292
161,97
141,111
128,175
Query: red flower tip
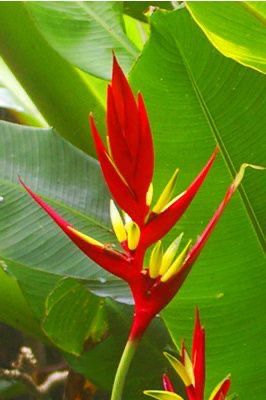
x,y
160,224
113,261
128,164
198,355
192,370
221,390
167,384
197,248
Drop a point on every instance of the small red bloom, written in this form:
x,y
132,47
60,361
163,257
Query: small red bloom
x,y
191,371
127,163
167,384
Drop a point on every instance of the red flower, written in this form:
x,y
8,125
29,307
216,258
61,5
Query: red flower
x,y
127,165
191,371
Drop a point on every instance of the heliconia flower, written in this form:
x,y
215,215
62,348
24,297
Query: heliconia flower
x,y
127,162
191,370
127,165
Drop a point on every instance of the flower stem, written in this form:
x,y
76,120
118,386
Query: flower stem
x,y
123,368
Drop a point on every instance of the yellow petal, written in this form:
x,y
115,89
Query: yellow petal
x,y
86,238
189,367
117,170
179,368
217,388
173,201
162,395
127,218
156,260
170,253
108,145
133,235
117,223
173,269
149,195
166,194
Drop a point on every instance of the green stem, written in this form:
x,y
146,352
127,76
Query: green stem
x,y
123,368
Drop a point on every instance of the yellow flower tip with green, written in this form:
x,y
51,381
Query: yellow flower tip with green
x,y
86,238
189,367
170,254
162,395
117,223
133,235
108,145
183,371
156,260
177,264
166,194
173,201
241,172
149,195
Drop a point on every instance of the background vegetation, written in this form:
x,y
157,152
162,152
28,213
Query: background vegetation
x,y
201,69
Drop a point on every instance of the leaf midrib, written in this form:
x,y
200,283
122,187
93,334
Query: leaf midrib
x,y
125,45
215,131
16,263
252,11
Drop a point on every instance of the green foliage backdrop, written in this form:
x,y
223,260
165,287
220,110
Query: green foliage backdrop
x,y
196,98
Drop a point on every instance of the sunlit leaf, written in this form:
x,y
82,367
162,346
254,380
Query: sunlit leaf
x,y
85,33
236,29
71,308
57,89
14,98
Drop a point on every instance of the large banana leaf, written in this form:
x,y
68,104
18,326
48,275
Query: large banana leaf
x,y
39,255
56,87
70,180
85,33
235,28
197,98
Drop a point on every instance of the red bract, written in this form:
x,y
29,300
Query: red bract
x,y
167,384
191,371
127,165
127,162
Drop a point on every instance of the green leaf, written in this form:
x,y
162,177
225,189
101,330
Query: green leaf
x,y
85,33
14,98
71,308
100,363
14,310
137,31
9,389
72,183
236,29
196,98
59,91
